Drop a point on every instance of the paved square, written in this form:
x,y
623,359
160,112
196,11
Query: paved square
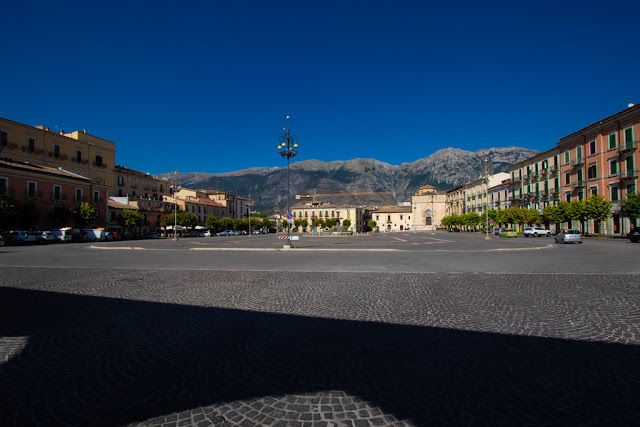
x,y
98,346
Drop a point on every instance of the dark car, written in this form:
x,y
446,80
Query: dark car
x,y
77,237
634,235
454,230
1,240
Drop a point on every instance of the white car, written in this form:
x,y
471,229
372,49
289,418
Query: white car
x,y
536,231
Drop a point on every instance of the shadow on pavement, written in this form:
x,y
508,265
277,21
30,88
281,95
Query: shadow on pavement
x,y
93,360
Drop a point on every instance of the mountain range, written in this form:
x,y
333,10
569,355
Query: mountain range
x,y
267,186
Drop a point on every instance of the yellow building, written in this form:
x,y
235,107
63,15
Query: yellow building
x,y
77,152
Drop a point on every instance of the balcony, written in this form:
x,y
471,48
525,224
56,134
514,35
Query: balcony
x,y
60,197
36,151
577,162
33,194
58,156
628,175
577,184
515,179
627,146
81,161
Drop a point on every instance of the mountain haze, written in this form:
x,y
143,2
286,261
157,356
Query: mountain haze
x,y
267,186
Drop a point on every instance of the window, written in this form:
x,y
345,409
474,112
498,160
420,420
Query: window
x,y
613,167
120,180
305,214
146,185
592,147
120,192
567,196
153,186
567,178
389,218
400,217
615,194
592,171
579,176
4,186
377,217
31,144
56,150
581,195
593,191
78,156
579,151
31,189
98,160
628,137
4,138
78,194
161,188
567,157
57,192
631,188
96,197
133,183
612,141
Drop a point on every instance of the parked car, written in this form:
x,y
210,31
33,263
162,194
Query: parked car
x,y
454,230
1,240
152,235
227,233
206,234
62,235
77,237
508,232
536,231
634,235
43,237
569,235
19,238
496,231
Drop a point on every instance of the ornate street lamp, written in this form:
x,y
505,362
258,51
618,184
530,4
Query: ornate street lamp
x,y
288,146
486,174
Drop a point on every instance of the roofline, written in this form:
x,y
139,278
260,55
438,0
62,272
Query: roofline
x,y
613,118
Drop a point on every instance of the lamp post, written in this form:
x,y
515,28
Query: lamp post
x,y
249,206
288,146
175,206
486,173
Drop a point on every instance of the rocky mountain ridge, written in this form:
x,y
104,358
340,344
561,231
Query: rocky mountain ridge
x,y
267,186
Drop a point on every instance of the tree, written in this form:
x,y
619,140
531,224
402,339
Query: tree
x,y
84,214
226,223
29,215
297,223
167,220
305,223
211,222
531,216
346,223
60,215
9,212
471,219
598,209
129,218
187,219
631,206
266,223
329,222
577,210
317,222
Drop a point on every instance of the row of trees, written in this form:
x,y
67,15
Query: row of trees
x,y
15,215
321,223
189,220
596,208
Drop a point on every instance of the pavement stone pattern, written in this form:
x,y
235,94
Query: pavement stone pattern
x,y
93,346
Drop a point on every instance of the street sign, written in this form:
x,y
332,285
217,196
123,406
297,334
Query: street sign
x,y
289,215
491,221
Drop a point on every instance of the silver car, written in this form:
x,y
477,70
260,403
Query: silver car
x,y
569,235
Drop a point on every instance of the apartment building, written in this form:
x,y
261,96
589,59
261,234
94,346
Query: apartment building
x,y
455,203
150,210
476,192
393,218
49,188
135,184
602,159
499,196
535,182
77,152
322,210
198,203
236,206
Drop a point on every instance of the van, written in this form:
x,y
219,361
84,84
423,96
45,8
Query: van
x,y
62,235
93,234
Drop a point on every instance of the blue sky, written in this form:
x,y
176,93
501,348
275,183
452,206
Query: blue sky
x,y
204,86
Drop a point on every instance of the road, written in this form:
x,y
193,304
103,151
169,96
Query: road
x,y
390,329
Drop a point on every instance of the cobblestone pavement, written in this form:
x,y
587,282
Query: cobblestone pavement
x,y
143,347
